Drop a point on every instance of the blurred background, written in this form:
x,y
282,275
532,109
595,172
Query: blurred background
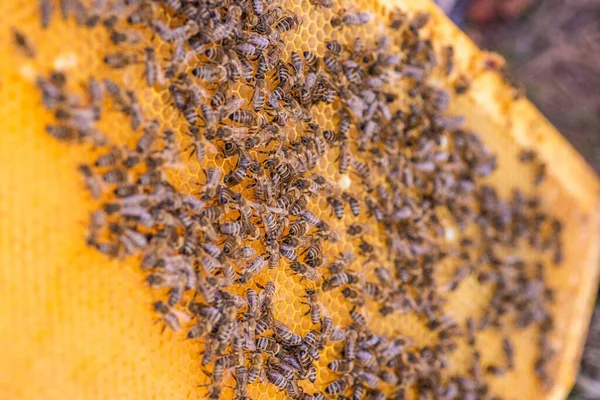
x,y
553,53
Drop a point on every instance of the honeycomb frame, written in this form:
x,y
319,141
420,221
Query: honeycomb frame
x,y
70,305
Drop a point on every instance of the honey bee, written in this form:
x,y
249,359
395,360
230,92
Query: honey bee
x,y
243,68
215,54
214,390
170,317
312,61
154,73
314,307
374,209
207,290
209,263
527,156
46,11
254,267
268,345
257,7
125,37
312,339
351,345
344,157
337,335
289,198
243,117
66,7
23,43
239,173
52,92
309,218
326,328
357,317
508,349
354,230
278,94
110,248
368,379
299,228
322,3
288,23
227,29
165,280
95,93
225,333
351,19
126,190
305,271
241,382
245,49
297,65
199,148
495,370
338,280
92,181
313,256
419,21
285,334
226,196
229,361
332,65
148,138
209,73
177,34
219,97
232,104
273,251
266,295
293,389
142,14
449,60
372,290
362,170
288,252
353,296
462,84
61,132
277,379
120,60
337,387
341,263
174,5
256,370
117,95
355,74
540,174
303,356
212,213
245,252
341,366
259,96
365,359
269,17
210,318
337,206
98,220
259,41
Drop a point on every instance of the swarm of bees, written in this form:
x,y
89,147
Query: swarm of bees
x,y
210,248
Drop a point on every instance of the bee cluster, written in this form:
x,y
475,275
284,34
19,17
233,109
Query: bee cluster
x,y
400,160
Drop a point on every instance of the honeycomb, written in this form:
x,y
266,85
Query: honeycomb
x,y
75,323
